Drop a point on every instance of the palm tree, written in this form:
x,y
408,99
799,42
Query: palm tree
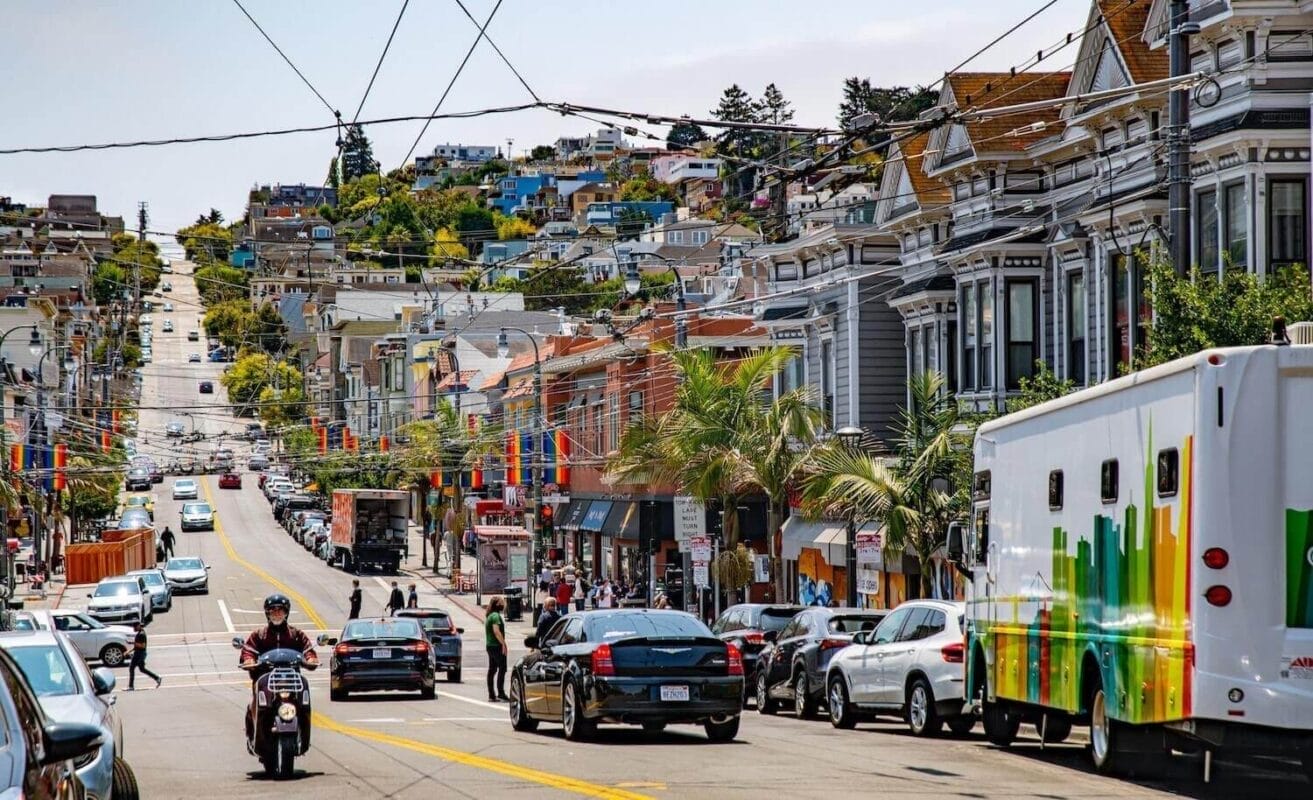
x,y
724,438
917,492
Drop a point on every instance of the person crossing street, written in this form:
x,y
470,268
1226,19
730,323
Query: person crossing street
x,y
167,541
139,660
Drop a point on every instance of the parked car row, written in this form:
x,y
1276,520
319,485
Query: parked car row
x,y
302,514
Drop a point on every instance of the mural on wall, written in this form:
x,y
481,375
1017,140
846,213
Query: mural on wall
x,y
813,591
1126,589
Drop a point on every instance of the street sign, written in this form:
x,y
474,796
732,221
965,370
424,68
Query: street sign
x,y
690,518
700,549
701,576
868,547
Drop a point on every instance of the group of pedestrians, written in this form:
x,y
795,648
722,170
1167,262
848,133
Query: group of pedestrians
x,y
396,599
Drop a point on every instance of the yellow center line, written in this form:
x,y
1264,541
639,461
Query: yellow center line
x,y
295,596
561,782
549,779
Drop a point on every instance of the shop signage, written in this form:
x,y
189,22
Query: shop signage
x,y
868,547
701,576
868,581
700,549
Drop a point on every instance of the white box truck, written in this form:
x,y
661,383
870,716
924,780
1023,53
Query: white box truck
x,y
1141,561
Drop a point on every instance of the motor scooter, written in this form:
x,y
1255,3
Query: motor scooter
x,y
279,729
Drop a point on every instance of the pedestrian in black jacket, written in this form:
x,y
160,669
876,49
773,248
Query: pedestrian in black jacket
x,y
396,601
355,600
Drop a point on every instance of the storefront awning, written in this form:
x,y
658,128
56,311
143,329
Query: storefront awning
x,y
574,514
596,516
816,535
621,512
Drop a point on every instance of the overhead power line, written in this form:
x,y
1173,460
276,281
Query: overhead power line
x,y
379,65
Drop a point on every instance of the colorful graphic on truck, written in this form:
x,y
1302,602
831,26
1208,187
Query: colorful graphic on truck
x,y
1299,569
1123,594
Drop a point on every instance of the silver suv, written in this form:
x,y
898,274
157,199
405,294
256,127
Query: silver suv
x,y
69,692
110,644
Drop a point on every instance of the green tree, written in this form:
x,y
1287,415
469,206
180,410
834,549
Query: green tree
x,y
917,492
205,243
632,223
215,217
736,105
357,154
334,179
773,107
514,228
723,438
446,245
1041,387
1196,312
108,280
643,187
251,374
684,135
219,282
542,152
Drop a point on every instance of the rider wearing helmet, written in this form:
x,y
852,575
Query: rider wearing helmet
x,y
277,634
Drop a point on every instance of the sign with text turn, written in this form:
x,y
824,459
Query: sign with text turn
x,y
690,518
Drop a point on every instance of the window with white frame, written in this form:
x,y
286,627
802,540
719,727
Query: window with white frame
x,y
1022,345
970,323
1287,208
985,299
1206,214
1076,327
1236,224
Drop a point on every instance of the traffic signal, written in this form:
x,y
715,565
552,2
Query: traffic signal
x,y
546,517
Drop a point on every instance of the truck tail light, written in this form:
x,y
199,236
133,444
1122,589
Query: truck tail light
x,y
953,653
1218,595
1216,558
602,664
735,660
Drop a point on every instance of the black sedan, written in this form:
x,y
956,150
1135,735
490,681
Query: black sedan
x,y
630,666
745,625
793,667
380,655
443,635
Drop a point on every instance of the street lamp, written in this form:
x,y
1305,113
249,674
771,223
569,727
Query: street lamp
x,y
850,436
503,350
634,283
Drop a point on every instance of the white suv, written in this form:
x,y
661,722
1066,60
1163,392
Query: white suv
x,y
911,666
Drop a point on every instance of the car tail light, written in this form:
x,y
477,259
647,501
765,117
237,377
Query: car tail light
x,y
735,659
1218,595
754,637
602,664
953,653
833,644
1216,558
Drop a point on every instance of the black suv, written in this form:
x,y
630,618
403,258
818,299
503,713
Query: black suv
x,y
746,625
793,667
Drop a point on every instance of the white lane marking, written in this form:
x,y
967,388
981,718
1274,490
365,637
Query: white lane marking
x,y
227,618
378,720
222,645
472,701
463,719
384,584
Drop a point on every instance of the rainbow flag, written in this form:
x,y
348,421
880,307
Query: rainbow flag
x,y
382,444
526,464
61,462
512,458
106,442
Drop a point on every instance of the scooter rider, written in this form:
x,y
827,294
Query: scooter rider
x,y
277,634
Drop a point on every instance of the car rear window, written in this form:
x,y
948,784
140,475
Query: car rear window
x,y
383,629
609,627
435,622
774,619
854,623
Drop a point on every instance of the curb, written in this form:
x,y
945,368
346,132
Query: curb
x,y
59,597
446,592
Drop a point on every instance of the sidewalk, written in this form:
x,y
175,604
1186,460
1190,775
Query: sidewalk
x,y
441,581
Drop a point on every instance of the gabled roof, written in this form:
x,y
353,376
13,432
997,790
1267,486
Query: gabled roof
x,y
927,189
1126,21
450,380
983,90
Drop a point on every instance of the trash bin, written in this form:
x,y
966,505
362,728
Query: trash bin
x,y
514,603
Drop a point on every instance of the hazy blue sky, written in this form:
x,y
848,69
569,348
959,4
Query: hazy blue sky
x,y
79,71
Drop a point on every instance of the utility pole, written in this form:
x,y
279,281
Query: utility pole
x,y
1178,125
141,247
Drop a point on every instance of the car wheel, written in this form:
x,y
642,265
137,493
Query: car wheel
x,y
577,727
765,705
520,719
1105,741
453,676
428,692
842,714
1056,728
722,729
961,726
123,784
804,706
113,655
920,704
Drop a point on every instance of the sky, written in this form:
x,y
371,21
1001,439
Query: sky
x,y
90,71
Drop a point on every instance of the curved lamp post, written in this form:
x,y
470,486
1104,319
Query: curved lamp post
x,y
851,436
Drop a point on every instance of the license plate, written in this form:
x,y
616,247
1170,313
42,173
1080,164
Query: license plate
x,y
382,652
674,693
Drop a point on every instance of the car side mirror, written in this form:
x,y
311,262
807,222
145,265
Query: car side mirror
x,y
862,637
956,547
460,630
771,636
237,643
531,642
103,680
65,741
325,640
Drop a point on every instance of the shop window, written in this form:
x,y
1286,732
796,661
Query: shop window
x,y
1169,472
1108,481
1055,490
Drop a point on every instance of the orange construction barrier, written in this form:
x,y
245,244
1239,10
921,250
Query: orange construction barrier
x,y
118,553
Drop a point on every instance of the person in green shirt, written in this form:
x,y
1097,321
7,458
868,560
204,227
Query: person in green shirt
x,y
494,637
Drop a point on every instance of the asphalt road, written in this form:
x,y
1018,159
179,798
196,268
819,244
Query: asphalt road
x,y
185,739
